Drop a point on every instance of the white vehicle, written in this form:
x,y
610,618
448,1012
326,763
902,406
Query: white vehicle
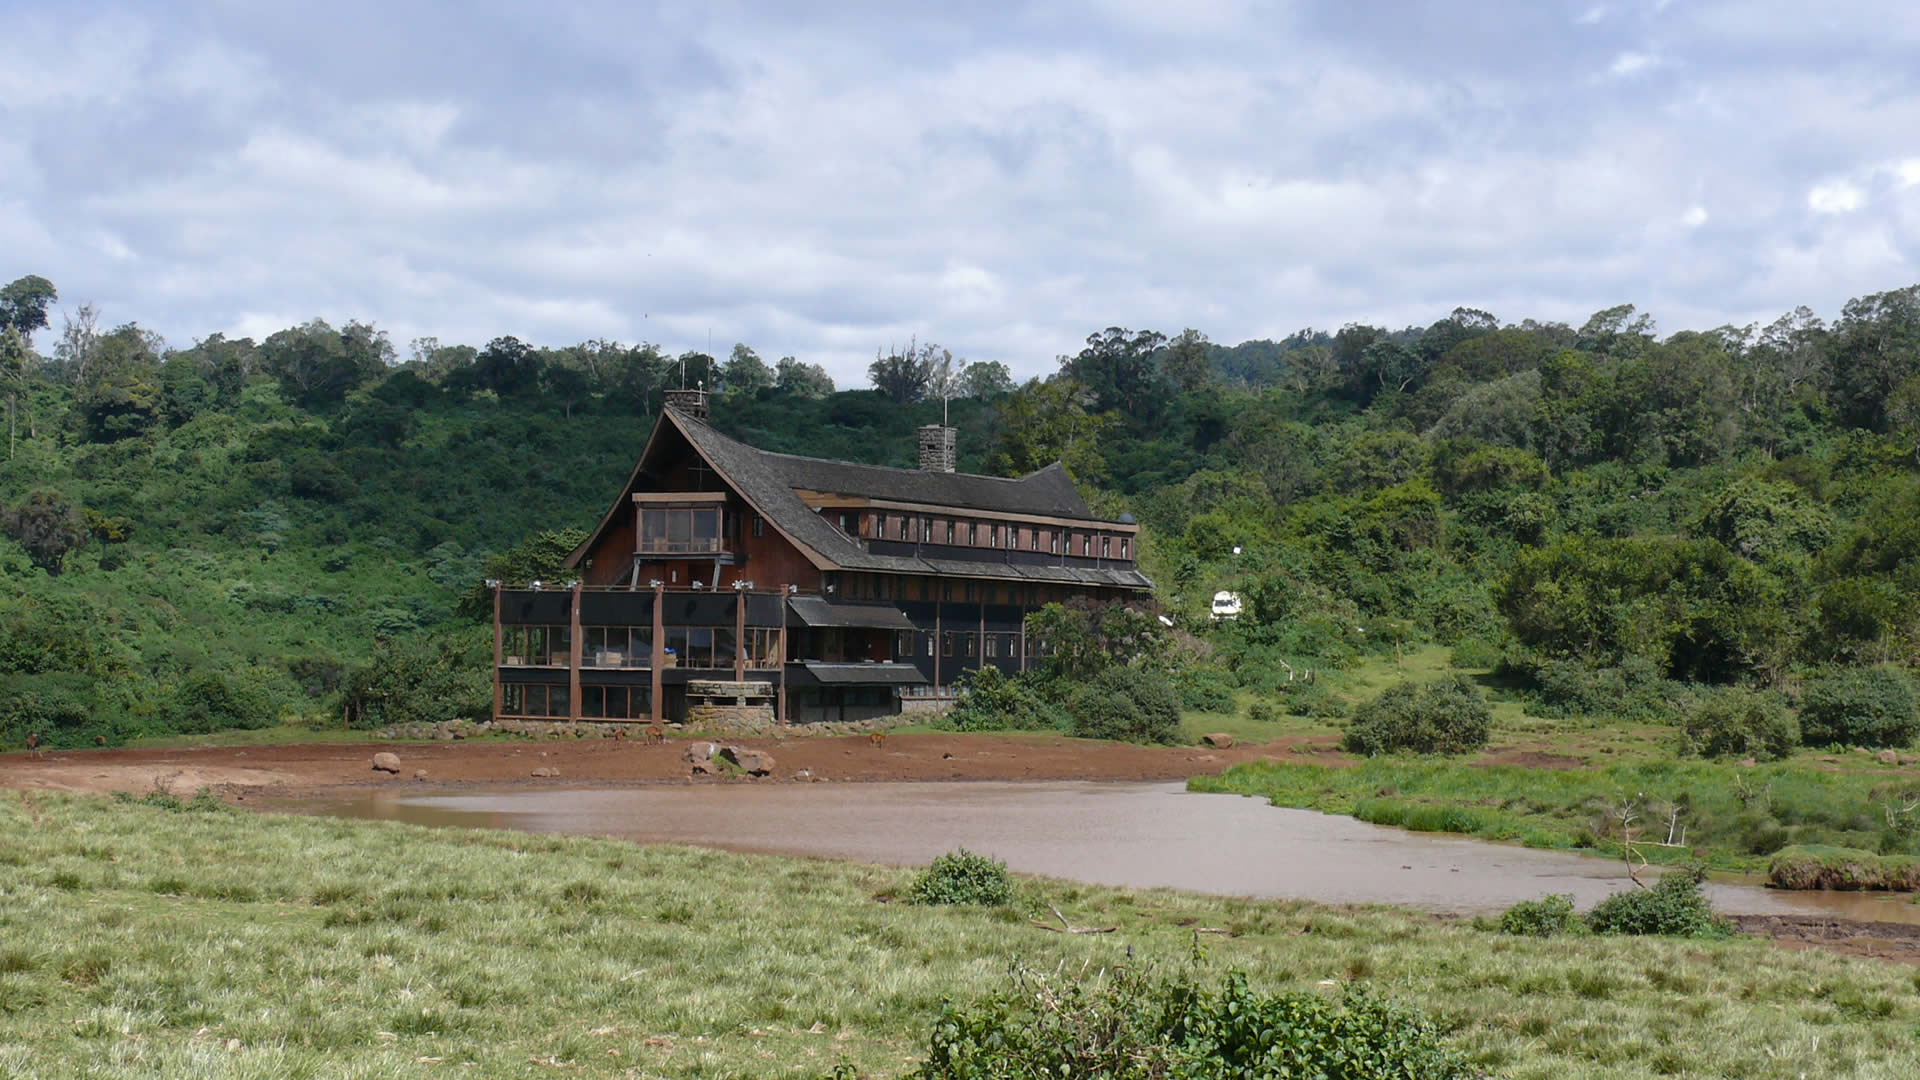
x,y
1226,605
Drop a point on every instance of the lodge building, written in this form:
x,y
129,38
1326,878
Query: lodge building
x,y
817,589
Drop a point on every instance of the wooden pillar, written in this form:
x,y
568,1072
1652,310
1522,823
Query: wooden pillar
x,y
657,712
938,644
499,635
1023,639
785,717
574,651
739,635
980,646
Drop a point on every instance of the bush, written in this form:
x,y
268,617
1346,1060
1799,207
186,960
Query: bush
x,y
210,702
1132,1027
1449,716
1474,654
993,702
961,877
1265,712
1548,916
420,680
1130,704
1635,691
1205,690
1846,869
1674,907
1740,723
1864,707
64,710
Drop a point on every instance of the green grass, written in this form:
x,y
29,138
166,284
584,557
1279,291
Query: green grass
x,y
1734,817
138,942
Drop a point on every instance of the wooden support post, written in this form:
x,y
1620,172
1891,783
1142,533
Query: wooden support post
x,y
656,713
574,653
1023,640
739,635
938,644
980,646
785,717
499,635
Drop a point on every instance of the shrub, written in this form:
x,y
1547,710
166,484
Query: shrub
x,y
961,877
1634,691
1264,712
1474,654
1126,703
64,710
1740,723
419,680
1849,869
993,702
1674,907
211,702
1131,1027
1449,716
1548,916
1205,690
1864,707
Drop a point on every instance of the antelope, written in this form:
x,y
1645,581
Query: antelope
x,y
877,738
33,744
656,734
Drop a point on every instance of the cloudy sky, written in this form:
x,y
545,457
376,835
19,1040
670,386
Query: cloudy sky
x,y
1002,179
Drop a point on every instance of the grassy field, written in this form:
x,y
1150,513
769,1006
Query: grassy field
x,y
138,942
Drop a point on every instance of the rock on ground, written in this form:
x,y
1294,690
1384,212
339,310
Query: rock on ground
x,y
1219,740
753,762
386,761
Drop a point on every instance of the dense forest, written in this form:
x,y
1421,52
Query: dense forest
x,y
238,533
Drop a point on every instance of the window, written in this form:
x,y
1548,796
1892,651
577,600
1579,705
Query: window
x,y
1123,547
1013,537
759,525
993,536
616,646
678,530
700,646
534,699
1106,547
973,533
536,646
967,644
846,524
1053,539
993,646
926,530
903,644
1035,542
950,526
903,527
1086,544
946,643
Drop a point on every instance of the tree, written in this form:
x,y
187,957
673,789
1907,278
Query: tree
x,y
16,369
1118,368
48,527
801,379
1045,422
1188,362
745,373
318,366
985,379
79,334
1876,347
23,304
1616,331
904,375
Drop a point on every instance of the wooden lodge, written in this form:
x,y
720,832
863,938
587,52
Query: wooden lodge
x,y
819,590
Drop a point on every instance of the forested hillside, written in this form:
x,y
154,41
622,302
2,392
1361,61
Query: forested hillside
x,y
227,533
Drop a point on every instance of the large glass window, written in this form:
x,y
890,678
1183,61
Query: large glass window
x,y
616,702
616,646
680,530
536,646
700,646
535,699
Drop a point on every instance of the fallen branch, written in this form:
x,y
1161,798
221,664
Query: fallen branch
x,y
1070,928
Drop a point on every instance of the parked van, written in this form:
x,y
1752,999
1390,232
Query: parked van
x,y
1226,605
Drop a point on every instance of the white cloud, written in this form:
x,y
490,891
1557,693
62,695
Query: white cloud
x,y
1695,216
1835,197
1629,64
1592,16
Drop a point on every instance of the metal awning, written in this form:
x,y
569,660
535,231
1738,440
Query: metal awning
x,y
815,611
864,674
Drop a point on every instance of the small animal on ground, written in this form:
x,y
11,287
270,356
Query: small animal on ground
x,y
877,738
33,744
656,733
620,732
99,740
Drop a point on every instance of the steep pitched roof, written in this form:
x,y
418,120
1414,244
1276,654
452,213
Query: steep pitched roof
x,y
768,481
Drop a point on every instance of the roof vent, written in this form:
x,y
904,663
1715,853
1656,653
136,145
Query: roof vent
x,y
691,403
937,447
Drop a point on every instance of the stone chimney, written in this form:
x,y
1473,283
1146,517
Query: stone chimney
x,y
691,403
937,448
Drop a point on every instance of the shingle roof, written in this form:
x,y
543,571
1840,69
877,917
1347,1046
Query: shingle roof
x,y
768,481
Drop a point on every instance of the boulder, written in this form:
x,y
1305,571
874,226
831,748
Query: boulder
x,y
1748,763
697,752
386,762
419,774
752,762
1888,757
546,771
1219,740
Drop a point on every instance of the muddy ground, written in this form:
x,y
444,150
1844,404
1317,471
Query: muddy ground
x,y
294,771
267,775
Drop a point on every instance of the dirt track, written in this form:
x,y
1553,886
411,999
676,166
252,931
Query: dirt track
x,y
294,771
